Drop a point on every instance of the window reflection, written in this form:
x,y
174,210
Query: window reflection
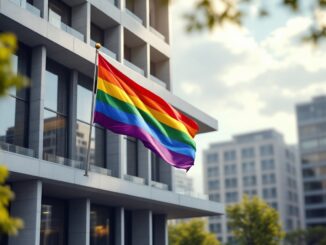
x,y
132,156
101,225
84,111
53,222
55,132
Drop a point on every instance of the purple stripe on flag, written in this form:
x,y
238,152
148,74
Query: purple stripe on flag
x,y
175,159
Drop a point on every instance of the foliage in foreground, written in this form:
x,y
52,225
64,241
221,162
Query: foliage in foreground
x,y
8,225
191,233
8,78
254,222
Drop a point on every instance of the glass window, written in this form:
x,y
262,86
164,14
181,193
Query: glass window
x,y
14,108
230,169
98,134
212,158
214,197
212,171
102,225
266,150
53,222
155,162
213,184
268,164
231,197
132,156
231,183
249,181
230,155
269,179
248,167
128,227
269,193
248,152
55,132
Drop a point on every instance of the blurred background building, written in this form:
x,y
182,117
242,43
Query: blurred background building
x,y
255,164
311,120
129,194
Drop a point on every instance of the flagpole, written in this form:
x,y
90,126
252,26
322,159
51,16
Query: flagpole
x,y
87,164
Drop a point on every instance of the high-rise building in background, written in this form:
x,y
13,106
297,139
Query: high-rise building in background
x,y
256,164
44,129
311,120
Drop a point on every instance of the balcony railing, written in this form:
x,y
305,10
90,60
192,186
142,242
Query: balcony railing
x,y
100,170
32,9
159,185
193,194
16,149
134,67
134,179
105,50
55,20
158,81
62,160
157,33
134,16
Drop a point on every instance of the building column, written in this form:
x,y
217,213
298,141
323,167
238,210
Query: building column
x,y
72,115
79,222
36,116
160,231
119,226
144,162
42,5
27,206
142,227
81,20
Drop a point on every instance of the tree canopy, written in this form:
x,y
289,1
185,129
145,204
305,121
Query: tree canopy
x,y
254,222
191,233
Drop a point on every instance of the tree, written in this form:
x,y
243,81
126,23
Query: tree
x,y
209,14
253,222
8,79
191,233
310,236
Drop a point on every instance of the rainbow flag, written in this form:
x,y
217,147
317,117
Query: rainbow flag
x,y
125,107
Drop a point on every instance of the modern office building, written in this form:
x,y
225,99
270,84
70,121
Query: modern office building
x,y
129,193
256,164
311,120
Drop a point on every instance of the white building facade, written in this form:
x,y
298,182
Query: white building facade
x,y
256,164
129,194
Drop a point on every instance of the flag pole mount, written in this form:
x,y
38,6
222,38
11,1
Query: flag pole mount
x,y
87,163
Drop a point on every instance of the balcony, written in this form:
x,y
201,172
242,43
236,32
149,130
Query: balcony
x,y
139,20
157,33
63,161
158,81
134,67
105,50
193,194
134,179
100,170
17,149
159,185
55,20
29,7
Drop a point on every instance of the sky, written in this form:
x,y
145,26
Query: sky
x,y
248,78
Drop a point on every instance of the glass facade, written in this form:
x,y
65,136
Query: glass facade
x,y
54,222
14,107
102,225
98,134
55,132
132,156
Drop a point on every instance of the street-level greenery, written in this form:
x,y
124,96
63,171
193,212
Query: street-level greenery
x,y
254,222
191,233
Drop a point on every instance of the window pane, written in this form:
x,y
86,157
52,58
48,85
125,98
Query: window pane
x,y
51,91
132,161
97,150
101,225
13,121
55,134
84,102
53,222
